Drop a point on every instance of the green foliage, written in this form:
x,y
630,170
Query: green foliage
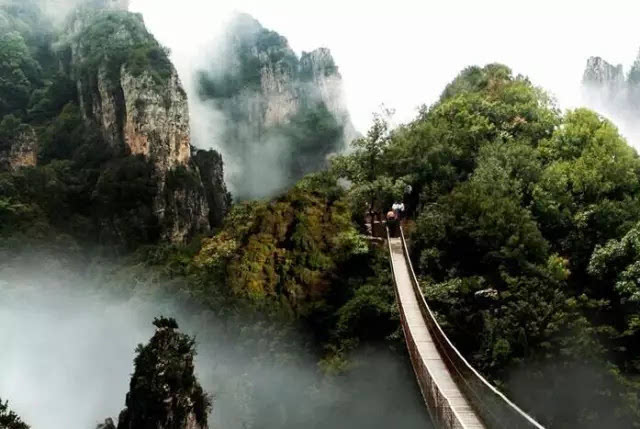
x,y
103,44
47,102
164,391
371,187
287,247
124,197
616,266
20,73
476,79
9,128
312,133
9,419
296,258
252,47
63,136
588,192
524,237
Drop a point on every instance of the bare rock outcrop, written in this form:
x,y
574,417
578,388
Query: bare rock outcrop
x,y
19,150
130,90
600,72
283,115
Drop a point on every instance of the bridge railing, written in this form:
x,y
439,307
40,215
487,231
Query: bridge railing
x,y
494,408
441,411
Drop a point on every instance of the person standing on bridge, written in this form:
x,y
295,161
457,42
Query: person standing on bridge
x,y
392,223
398,209
400,213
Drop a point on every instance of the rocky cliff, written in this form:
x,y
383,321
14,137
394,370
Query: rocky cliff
x,y
95,104
608,86
128,88
18,148
600,73
282,114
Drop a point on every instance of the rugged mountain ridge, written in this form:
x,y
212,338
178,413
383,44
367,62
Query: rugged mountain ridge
x,y
600,72
283,114
125,109
607,85
140,111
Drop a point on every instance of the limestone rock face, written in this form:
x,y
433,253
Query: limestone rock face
x,y
600,72
323,72
156,124
130,90
615,94
283,115
22,150
211,170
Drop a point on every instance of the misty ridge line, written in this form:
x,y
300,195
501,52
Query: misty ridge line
x,y
273,115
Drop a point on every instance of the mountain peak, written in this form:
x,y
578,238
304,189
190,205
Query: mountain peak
x,y
601,72
244,22
318,62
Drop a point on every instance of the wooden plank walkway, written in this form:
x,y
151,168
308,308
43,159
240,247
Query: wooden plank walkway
x,y
448,406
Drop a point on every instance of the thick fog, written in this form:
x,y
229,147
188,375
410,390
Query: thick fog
x,y
621,105
403,53
68,345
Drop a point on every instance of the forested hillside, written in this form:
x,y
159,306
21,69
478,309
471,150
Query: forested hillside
x,y
523,232
523,221
522,229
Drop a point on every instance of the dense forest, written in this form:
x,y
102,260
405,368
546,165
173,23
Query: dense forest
x,y
523,226
523,223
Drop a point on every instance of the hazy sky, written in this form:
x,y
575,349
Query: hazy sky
x,y
403,52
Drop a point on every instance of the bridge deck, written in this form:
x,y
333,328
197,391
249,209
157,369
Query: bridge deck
x,y
448,406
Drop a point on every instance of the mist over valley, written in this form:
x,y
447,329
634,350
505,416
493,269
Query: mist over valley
x,y
194,195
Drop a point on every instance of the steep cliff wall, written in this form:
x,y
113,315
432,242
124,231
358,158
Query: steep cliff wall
x,y
128,88
600,73
283,115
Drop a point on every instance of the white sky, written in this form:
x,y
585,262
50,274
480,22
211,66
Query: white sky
x,y
403,52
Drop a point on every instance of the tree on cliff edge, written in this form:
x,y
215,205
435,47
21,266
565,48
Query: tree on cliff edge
x,y
9,419
164,392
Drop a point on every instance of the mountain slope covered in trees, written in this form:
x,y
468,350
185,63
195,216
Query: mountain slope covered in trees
x,y
524,220
523,237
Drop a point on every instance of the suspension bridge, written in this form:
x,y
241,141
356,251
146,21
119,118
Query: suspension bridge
x,y
456,395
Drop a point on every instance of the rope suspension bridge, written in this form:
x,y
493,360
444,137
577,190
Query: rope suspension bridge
x,y
456,395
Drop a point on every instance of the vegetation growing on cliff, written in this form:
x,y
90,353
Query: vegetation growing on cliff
x,y
300,258
86,184
164,391
102,45
277,122
524,219
9,419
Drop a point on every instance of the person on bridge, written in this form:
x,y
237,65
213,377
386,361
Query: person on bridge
x,y
392,224
398,209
